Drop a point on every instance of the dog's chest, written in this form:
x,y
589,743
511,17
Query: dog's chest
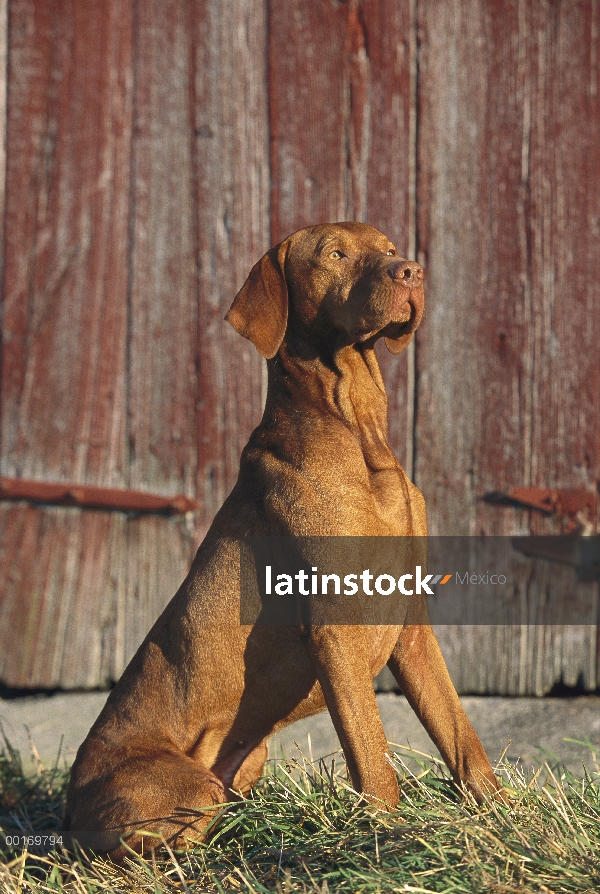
x,y
380,645
392,500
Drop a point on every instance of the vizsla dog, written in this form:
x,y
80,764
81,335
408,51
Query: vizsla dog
x,y
187,725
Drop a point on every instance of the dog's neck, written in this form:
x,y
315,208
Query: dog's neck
x,y
343,384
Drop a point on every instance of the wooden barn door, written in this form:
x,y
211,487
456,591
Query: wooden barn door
x,y
508,360
469,133
155,150
137,191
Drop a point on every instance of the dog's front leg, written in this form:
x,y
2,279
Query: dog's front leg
x,y
340,658
419,667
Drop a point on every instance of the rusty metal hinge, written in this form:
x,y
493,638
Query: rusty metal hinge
x,y
576,508
577,511
86,496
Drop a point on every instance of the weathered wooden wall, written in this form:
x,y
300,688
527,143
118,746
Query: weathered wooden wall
x,y
508,361
137,200
155,150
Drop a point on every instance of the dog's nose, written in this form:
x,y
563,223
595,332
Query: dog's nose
x,y
407,273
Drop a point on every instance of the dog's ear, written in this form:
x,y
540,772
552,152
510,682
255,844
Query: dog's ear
x,y
397,345
260,309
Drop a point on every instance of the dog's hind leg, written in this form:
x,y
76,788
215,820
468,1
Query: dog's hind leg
x,y
163,793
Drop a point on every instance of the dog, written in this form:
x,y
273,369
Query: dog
x,y
187,725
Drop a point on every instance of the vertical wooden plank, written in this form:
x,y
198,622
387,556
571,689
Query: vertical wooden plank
x,y
162,319
340,107
11,571
564,188
388,129
163,296
63,404
341,104
453,90
308,112
3,107
200,221
66,226
231,199
508,360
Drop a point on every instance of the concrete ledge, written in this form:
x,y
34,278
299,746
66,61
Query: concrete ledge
x,y
531,728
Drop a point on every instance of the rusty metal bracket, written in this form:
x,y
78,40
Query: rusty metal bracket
x,y
579,507
554,501
86,496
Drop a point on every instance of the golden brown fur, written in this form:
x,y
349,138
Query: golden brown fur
x,y
191,716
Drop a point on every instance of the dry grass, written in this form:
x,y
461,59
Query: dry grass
x,y
304,830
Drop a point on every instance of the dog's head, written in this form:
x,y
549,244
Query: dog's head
x,y
346,276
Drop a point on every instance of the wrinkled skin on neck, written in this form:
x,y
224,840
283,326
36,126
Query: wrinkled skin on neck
x,y
343,384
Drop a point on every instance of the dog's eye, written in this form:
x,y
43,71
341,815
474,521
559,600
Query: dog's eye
x,y
336,255
392,251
